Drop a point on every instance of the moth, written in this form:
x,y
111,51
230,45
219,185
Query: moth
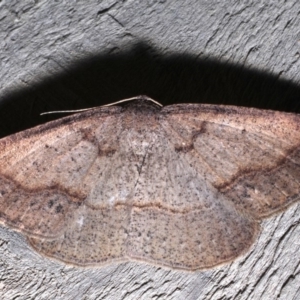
x,y
183,186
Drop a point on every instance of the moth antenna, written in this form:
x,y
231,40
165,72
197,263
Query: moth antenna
x,y
106,105
142,97
66,111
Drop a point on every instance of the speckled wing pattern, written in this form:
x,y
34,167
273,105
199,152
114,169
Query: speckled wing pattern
x,y
183,186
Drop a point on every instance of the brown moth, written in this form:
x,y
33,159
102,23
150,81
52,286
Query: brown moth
x,y
183,186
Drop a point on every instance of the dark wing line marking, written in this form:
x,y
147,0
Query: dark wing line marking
x,y
200,156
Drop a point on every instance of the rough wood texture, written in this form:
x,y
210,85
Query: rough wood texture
x,y
41,41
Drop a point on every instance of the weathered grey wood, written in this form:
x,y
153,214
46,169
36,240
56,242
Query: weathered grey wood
x,y
40,39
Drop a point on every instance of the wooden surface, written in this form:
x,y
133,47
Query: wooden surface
x,y
66,55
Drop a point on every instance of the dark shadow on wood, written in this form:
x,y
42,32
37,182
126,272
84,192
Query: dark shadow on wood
x,y
176,78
